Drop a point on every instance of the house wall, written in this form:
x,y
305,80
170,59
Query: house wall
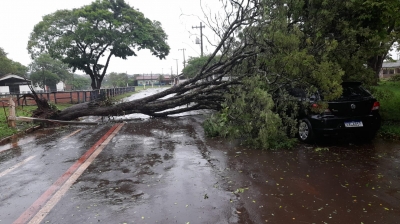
x,y
24,89
388,72
60,86
148,82
4,89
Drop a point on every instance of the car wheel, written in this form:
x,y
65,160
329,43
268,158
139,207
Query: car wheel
x,y
305,131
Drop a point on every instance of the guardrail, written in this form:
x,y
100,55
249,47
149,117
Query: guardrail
x,y
68,96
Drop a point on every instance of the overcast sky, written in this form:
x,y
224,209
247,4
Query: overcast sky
x,y
18,17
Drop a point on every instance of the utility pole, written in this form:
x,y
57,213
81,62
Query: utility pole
x,y
176,66
184,60
201,36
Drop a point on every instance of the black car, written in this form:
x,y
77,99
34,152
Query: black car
x,y
356,111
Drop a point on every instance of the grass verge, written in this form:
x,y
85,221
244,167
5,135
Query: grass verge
x,y
388,94
26,111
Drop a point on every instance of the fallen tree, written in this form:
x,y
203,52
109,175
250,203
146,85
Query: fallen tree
x,y
204,91
282,43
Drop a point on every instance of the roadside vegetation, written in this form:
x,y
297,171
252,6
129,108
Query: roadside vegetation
x,y
26,111
388,94
21,111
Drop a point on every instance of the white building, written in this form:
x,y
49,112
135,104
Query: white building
x,y
14,84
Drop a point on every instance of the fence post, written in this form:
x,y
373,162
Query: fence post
x,y
70,95
17,100
55,98
11,118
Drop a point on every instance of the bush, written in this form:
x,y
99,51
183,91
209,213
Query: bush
x,y
395,78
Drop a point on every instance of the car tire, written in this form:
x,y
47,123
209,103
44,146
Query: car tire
x,y
305,132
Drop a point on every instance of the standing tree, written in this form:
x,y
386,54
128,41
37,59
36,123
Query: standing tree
x,y
161,79
194,65
46,71
117,79
9,66
80,82
86,38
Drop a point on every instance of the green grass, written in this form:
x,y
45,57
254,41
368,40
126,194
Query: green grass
x,y
388,94
20,111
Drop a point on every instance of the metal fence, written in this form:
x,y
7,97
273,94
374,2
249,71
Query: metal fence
x,y
68,96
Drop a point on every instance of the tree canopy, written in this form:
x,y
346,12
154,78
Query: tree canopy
x,y
87,38
9,66
117,79
46,71
194,65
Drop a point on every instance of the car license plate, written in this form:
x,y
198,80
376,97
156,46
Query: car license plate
x,y
351,124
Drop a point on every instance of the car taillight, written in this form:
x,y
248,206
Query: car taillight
x,y
326,111
376,105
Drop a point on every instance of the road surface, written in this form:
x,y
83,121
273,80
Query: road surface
x,y
167,171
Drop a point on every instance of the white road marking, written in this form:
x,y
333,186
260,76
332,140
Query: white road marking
x,y
73,133
71,180
16,166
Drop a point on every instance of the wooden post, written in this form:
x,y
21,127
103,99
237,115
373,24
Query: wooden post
x,y
11,118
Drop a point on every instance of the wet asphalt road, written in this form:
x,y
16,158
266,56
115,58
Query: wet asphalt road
x,y
166,171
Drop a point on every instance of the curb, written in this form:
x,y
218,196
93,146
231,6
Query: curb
x,y
19,134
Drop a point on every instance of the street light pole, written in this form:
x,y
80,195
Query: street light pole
x,y
176,66
176,69
184,60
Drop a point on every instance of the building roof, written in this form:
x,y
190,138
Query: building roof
x,y
9,76
153,77
391,64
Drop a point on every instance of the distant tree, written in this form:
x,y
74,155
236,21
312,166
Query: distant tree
x,y
195,64
161,79
131,80
20,69
80,82
46,71
9,66
87,38
117,79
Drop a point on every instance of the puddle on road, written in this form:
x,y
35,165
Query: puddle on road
x,y
16,141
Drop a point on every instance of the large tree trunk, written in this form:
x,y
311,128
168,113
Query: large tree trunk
x,y
185,97
204,91
375,63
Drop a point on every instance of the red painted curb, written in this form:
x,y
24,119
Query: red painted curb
x,y
37,205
